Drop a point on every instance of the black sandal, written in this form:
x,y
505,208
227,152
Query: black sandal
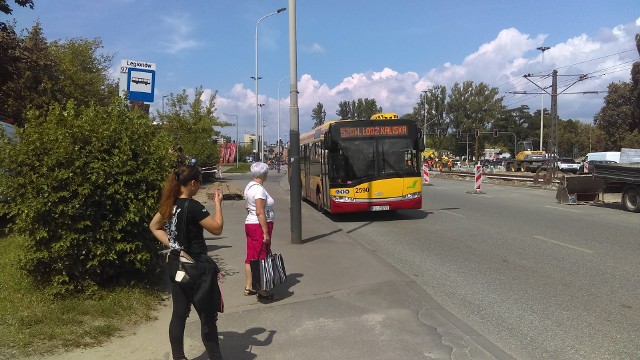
x,y
268,296
249,292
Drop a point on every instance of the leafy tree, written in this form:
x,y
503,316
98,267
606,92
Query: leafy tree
x,y
362,109
346,110
93,175
319,115
6,9
473,107
366,108
31,83
631,140
10,58
191,125
635,88
431,110
83,72
615,118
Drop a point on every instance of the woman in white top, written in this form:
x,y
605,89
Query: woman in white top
x,y
258,225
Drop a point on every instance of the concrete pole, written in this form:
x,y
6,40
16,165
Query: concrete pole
x,y
543,49
278,138
295,183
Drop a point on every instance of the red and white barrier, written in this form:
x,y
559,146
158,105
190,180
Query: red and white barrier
x,y
425,174
479,177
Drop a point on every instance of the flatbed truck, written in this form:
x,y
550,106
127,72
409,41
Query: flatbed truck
x,y
623,179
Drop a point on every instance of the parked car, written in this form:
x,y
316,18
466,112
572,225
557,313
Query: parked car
x,y
568,165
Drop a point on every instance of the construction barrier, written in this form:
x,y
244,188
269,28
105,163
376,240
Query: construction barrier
x,y
425,174
479,176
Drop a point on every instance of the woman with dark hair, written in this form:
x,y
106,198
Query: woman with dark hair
x,y
179,225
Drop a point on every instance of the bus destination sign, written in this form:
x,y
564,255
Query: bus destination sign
x,y
373,130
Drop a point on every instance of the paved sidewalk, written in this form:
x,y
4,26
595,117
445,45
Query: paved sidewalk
x,y
341,301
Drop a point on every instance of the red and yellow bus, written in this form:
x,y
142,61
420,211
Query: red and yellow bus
x,y
363,165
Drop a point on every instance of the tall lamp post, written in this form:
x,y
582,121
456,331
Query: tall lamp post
x,y
424,124
237,144
261,134
256,78
278,138
543,49
163,97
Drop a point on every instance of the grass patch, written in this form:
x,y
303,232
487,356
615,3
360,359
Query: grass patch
x,y
241,169
35,324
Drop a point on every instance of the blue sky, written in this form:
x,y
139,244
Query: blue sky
x,y
386,50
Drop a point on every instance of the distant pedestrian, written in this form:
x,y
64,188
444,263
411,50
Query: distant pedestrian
x,y
179,225
258,224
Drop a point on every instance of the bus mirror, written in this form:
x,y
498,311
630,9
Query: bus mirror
x,y
421,146
327,141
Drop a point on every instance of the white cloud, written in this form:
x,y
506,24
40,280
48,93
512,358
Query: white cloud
x,y
501,63
313,48
179,34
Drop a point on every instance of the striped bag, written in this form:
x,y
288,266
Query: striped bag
x,y
268,272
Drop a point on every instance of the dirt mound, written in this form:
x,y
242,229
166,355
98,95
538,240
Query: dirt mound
x,y
228,192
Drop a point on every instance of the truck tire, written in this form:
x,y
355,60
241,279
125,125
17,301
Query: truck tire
x,y
631,199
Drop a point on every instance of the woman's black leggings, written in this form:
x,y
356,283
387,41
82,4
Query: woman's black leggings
x,y
208,326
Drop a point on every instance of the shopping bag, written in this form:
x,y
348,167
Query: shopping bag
x,y
262,274
279,271
268,272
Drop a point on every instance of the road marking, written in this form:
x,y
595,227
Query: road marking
x,y
452,213
563,244
559,208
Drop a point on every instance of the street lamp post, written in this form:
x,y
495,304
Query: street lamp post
x,y
256,78
261,134
424,124
543,49
163,97
278,138
236,136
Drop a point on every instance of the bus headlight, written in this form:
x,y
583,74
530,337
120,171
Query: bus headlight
x,y
342,199
412,195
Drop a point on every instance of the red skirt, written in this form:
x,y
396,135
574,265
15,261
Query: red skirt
x,y
255,241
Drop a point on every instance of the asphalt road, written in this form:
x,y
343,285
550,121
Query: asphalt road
x,y
540,279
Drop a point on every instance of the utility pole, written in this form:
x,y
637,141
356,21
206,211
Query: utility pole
x,y
295,183
553,134
543,49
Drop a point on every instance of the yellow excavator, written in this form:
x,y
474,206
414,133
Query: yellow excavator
x,y
527,159
440,157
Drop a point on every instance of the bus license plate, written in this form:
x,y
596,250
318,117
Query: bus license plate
x,y
380,208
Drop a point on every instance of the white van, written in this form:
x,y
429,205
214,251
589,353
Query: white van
x,y
603,156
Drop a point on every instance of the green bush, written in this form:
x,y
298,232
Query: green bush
x,y
84,185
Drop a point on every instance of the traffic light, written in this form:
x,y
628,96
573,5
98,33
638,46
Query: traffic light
x,y
477,132
458,133
438,133
495,132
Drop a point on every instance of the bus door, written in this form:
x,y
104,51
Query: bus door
x,y
305,171
324,177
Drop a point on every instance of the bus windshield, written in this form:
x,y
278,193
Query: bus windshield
x,y
367,159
